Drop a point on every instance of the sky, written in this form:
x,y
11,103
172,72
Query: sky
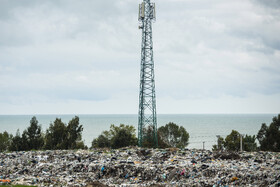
x,y
83,57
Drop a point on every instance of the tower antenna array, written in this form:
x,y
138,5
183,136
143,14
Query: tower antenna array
x,y
147,119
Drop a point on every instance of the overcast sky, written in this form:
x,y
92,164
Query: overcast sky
x,y
83,56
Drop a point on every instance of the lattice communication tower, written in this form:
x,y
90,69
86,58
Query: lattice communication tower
x,y
147,99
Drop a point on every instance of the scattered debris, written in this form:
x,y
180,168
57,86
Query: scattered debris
x,y
135,166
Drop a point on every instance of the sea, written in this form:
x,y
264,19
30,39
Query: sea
x,y
203,128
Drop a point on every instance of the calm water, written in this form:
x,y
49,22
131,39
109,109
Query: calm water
x,y
201,127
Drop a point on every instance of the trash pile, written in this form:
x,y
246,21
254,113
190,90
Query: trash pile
x,y
135,166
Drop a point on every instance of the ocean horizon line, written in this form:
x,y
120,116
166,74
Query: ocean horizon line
x,y
137,114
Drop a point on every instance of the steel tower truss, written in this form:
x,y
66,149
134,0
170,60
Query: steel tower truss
x,y
147,99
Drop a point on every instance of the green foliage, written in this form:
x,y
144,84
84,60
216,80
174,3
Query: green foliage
x,y
101,141
232,141
123,136
116,137
74,130
60,136
80,145
5,141
173,136
33,135
148,139
269,137
220,145
249,143
56,135
24,141
31,138
261,136
16,143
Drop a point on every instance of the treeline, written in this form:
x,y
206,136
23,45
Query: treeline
x,y
170,135
232,142
268,138
69,136
58,136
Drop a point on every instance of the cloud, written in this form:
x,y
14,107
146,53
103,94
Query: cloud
x,y
89,51
219,50
274,4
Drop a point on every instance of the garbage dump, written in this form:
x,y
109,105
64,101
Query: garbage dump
x,y
139,167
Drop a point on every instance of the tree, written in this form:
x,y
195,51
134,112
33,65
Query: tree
x,y
220,145
148,138
173,135
16,143
24,141
232,141
269,137
80,145
261,136
34,135
31,138
101,141
74,130
249,143
5,141
60,136
116,137
124,136
56,135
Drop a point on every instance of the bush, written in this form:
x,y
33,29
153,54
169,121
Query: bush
x,y
220,145
232,141
148,139
101,141
171,135
80,145
116,137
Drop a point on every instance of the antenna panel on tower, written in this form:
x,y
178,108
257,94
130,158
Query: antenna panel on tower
x,y
153,11
141,11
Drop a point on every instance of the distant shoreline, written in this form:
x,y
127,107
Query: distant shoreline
x,y
202,127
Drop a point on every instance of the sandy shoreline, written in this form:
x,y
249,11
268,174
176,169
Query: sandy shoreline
x,y
136,167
